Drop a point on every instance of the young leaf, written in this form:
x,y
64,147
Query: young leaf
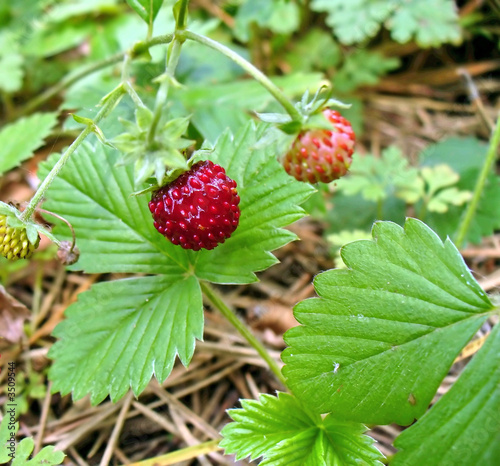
x,y
284,432
146,9
463,427
18,140
377,343
120,333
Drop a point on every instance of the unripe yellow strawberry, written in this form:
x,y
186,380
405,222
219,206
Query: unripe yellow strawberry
x,y
14,243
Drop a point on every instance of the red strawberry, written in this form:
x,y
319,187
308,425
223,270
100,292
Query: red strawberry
x,y
199,209
321,154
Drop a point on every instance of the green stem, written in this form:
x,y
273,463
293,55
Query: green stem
x,y
491,155
217,301
162,94
111,100
274,90
71,78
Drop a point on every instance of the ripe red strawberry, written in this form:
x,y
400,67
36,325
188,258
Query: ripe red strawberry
x,y
321,154
199,209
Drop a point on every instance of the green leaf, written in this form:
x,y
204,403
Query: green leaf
x,y
378,179
120,333
21,452
414,20
466,157
146,9
357,20
361,68
46,457
284,432
463,427
217,107
5,434
20,139
279,16
269,201
317,50
115,231
11,63
407,303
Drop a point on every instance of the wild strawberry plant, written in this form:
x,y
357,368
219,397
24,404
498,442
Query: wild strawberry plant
x,y
372,348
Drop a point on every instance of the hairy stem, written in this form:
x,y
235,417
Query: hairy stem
x,y
111,100
71,78
217,301
274,90
491,155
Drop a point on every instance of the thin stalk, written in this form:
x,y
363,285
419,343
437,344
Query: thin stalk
x,y
109,104
491,155
274,90
162,94
217,301
75,76
185,454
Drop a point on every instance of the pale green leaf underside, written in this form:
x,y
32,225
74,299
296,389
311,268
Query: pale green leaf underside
x,y
464,426
20,139
118,334
378,342
284,433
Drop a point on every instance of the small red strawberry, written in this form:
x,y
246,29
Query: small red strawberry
x,y
199,209
321,154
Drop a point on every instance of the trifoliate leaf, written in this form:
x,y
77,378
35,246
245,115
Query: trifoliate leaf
x,y
285,433
20,139
120,333
463,427
406,303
